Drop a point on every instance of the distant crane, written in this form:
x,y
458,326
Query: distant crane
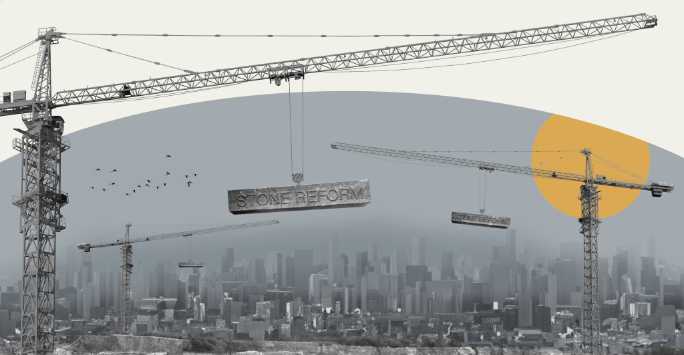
x,y
126,245
41,146
589,221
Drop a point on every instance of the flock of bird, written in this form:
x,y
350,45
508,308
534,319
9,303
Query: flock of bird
x,y
147,184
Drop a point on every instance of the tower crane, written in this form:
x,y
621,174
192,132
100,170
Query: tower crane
x,y
589,221
126,245
41,197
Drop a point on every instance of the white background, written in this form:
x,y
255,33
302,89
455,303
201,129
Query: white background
x,y
631,83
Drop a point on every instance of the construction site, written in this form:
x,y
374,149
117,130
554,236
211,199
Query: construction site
x,y
424,224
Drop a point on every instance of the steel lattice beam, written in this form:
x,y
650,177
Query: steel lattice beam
x,y
284,70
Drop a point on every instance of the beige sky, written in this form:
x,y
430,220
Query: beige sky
x,y
630,83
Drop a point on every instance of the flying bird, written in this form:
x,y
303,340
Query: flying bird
x,y
189,183
114,170
92,187
164,184
186,176
168,173
133,190
127,193
168,155
97,169
103,189
139,186
113,183
149,181
157,187
195,174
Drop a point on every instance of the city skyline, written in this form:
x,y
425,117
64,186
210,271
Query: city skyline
x,y
407,221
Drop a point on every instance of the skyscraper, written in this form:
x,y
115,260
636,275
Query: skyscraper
x,y
447,271
228,260
257,271
620,268
303,267
418,251
333,260
649,277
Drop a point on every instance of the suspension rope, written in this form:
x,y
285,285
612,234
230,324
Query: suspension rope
x,y
130,55
618,167
301,141
494,151
16,50
289,107
18,61
484,192
270,35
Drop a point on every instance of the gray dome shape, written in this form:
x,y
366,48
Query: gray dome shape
x,y
243,143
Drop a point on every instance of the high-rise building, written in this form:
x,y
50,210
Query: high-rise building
x,y
373,256
567,273
604,280
257,271
289,271
334,274
447,271
228,260
399,261
417,273
512,246
303,267
620,268
418,251
542,318
85,273
362,265
649,276
344,264
318,284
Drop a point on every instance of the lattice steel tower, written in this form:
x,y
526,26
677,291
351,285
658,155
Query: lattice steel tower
x,y
591,315
40,202
126,271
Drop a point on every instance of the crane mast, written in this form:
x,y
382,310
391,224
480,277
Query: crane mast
x,y
40,202
41,144
589,221
126,271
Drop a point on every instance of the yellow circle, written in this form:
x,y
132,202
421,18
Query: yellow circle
x,y
614,155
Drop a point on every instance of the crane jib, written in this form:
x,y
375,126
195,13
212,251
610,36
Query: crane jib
x,y
277,71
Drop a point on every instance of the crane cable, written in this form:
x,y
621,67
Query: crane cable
x,y
495,151
270,35
617,167
130,55
296,172
16,50
18,61
483,191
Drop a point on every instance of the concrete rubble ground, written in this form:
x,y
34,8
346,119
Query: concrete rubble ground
x,y
149,345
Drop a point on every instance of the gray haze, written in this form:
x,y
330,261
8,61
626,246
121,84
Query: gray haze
x,y
243,143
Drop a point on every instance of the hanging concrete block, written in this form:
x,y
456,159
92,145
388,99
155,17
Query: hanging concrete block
x,y
481,220
300,197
